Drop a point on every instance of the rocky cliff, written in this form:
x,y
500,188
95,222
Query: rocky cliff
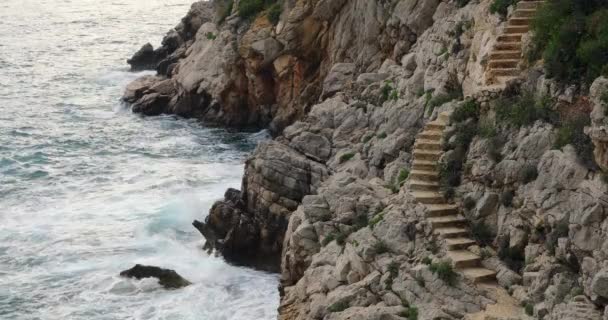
x,y
347,86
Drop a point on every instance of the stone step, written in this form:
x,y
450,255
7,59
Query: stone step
x,y
438,210
459,243
428,197
505,54
424,165
478,275
419,185
426,144
508,46
424,175
516,29
452,232
520,21
529,4
430,135
444,117
501,72
436,125
511,37
503,63
427,155
447,221
464,259
520,12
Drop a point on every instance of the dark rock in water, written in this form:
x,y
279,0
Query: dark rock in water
x,y
147,58
166,277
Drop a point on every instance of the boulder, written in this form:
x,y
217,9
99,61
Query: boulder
x,y
166,277
146,58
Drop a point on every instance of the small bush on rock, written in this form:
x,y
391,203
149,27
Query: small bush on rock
x,y
381,247
524,109
469,203
529,308
501,6
529,173
445,272
375,220
346,157
482,233
469,109
274,13
338,306
403,175
411,313
506,198
328,239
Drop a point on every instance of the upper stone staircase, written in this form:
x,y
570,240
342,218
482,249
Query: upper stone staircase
x,y
506,55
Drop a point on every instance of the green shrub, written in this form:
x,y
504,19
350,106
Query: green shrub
x,y
341,237
529,173
572,38
469,203
524,109
250,8
420,281
529,308
494,150
346,157
338,306
501,6
487,129
382,135
403,175
224,11
561,230
573,132
393,272
381,247
506,198
482,233
427,261
385,91
375,220
361,221
274,12
462,3
210,36
467,110
329,238
410,314
445,272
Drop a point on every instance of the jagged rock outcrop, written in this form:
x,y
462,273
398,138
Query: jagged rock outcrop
x,y
599,121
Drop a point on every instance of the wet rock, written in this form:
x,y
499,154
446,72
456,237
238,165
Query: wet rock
x,y
166,277
152,104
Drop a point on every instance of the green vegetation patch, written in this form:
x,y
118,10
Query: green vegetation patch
x,y
445,272
571,36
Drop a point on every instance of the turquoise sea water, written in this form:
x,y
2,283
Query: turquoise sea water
x,y
88,189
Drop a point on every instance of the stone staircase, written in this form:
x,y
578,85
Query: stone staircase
x,y
445,218
506,55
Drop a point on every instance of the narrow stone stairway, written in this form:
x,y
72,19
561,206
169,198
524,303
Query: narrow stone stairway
x,y
445,218
506,55
451,225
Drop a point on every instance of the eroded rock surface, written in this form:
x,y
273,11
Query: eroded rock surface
x,y
166,277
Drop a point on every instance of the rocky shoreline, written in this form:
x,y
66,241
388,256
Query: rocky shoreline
x,y
345,87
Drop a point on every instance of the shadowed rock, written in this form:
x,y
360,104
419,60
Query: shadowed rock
x,y
166,277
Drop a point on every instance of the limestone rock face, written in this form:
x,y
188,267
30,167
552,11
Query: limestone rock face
x,y
599,128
